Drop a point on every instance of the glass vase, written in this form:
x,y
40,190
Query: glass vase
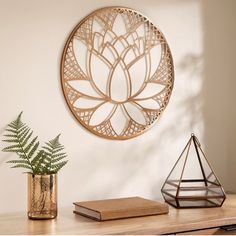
x,y
42,196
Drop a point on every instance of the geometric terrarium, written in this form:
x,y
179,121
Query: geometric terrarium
x,y
188,187
117,73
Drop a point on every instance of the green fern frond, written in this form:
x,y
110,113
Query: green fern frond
x,y
48,160
18,162
22,166
53,150
59,155
11,131
30,145
37,157
47,149
25,135
33,150
57,167
18,135
10,140
10,135
20,155
13,148
38,161
55,160
17,124
59,149
22,129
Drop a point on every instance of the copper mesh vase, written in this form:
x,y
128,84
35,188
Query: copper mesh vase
x,y
42,196
192,183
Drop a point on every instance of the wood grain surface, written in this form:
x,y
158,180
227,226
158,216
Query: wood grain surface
x,y
176,221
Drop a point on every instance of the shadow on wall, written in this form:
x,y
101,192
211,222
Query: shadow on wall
x,y
155,150
150,162
219,111
188,115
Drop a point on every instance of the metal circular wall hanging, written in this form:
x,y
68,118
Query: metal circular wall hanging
x,y
117,73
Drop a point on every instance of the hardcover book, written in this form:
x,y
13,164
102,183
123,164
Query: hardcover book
x,y
111,209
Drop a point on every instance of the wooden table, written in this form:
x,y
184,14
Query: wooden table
x,y
175,222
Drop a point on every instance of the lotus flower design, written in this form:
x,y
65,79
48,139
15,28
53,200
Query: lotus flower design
x,y
117,75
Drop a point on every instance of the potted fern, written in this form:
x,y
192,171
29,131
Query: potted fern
x,y
42,165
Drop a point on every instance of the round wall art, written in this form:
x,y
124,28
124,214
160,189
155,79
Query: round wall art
x,y
117,73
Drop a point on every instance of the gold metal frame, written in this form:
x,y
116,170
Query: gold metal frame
x,y
71,70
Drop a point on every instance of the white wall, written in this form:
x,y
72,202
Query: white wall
x,y
32,36
219,110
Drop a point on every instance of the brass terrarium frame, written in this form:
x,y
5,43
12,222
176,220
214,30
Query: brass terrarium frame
x,y
188,192
131,41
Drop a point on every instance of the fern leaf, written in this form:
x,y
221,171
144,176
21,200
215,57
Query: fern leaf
x,y
58,159
59,154
48,149
59,149
55,141
21,155
29,146
23,135
47,168
37,162
33,150
19,162
10,135
38,168
48,153
37,157
26,139
22,166
22,128
15,125
49,145
10,140
13,148
57,167
11,131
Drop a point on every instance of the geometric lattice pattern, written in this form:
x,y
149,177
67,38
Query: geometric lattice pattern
x,y
102,59
192,182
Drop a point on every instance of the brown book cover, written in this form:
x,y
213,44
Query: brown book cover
x,y
119,208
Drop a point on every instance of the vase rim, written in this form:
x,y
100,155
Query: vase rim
x,y
41,174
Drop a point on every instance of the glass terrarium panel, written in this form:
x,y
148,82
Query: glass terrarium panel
x,y
201,192
209,174
170,200
212,190
196,203
175,174
192,183
171,187
177,170
211,179
192,161
217,201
